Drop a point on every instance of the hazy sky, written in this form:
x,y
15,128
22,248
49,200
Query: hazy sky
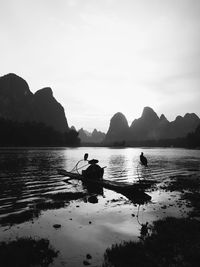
x,y
105,56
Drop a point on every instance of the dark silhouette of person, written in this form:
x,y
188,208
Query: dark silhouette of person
x,y
143,160
94,171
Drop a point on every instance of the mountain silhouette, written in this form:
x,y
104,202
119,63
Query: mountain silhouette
x,y
118,130
193,139
149,127
144,128
94,137
18,103
181,126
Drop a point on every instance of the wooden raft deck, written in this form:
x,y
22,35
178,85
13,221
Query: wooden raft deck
x,y
133,192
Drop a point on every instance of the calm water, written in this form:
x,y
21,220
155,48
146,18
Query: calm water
x,y
29,176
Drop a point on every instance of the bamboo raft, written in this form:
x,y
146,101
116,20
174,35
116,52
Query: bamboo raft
x,y
134,192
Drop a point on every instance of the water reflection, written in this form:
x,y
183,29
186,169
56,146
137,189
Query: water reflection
x,y
26,176
93,189
29,177
144,173
117,167
90,219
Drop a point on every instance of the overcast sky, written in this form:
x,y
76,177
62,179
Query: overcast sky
x,y
105,56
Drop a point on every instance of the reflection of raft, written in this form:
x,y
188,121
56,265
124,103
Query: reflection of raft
x,y
135,192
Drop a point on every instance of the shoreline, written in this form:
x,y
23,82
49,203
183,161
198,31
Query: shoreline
x,y
165,242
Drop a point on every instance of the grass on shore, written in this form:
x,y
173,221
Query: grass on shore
x,y
172,242
26,252
189,186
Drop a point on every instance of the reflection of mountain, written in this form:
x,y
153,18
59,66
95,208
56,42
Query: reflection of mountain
x,y
18,103
94,137
150,127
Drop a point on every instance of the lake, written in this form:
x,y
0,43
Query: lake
x,y
29,178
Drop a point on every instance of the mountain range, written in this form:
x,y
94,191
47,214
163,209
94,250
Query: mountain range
x,y
18,103
150,127
91,138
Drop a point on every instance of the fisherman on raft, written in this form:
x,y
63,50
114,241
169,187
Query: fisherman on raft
x,y
94,171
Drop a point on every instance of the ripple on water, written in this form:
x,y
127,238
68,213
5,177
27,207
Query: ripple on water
x,y
29,183
29,175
